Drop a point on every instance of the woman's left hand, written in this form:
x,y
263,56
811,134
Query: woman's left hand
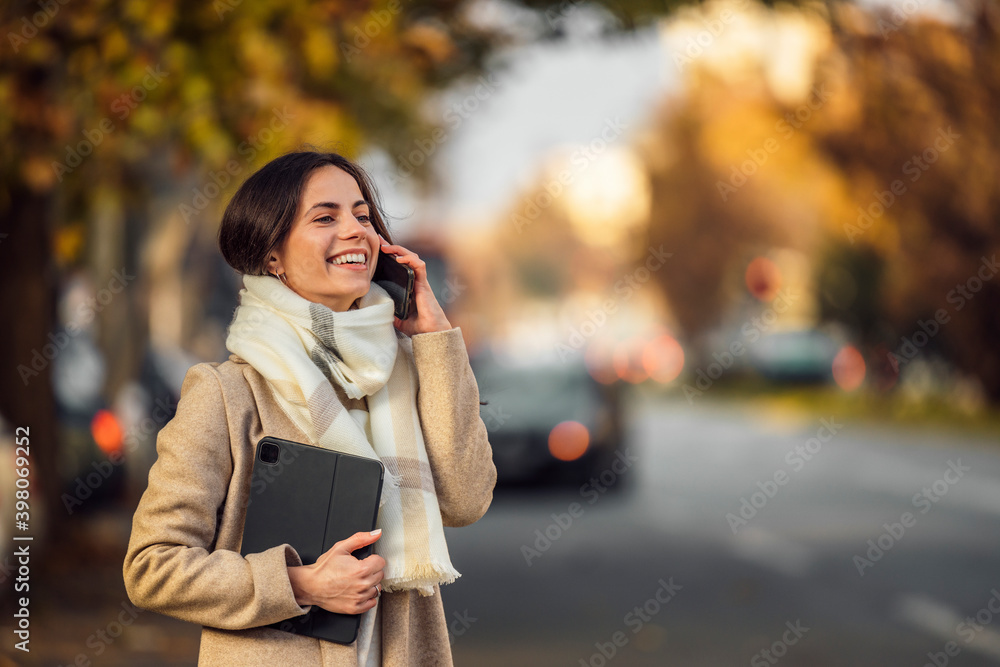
x,y
429,316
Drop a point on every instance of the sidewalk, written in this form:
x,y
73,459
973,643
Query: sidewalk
x,y
80,613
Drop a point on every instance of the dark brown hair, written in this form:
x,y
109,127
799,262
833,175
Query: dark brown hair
x,y
260,215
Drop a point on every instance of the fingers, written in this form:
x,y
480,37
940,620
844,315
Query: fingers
x,y
369,603
356,541
371,569
404,256
375,578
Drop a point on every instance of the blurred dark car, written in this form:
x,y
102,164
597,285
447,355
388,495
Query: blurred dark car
x,y
802,356
548,422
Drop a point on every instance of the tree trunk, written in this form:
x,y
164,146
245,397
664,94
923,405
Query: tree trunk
x,y
28,300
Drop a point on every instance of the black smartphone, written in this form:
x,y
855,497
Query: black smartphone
x,y
397,280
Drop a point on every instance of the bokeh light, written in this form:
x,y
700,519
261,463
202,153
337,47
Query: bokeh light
x,y
763,279
599,358
568,440
848,368
628,361
663,358
107,432
613,189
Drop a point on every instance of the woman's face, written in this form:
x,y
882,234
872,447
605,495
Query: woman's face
x,y
330,252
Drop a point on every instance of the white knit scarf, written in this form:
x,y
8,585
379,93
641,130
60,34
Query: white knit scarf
x,y
300,347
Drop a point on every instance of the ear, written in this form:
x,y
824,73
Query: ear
x,y
275,266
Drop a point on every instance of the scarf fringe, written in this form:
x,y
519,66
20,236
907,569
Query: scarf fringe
x,y
423,577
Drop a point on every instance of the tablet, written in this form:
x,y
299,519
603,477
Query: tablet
x,y
311,498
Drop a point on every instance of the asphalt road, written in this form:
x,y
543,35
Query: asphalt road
x,y
669,566
650,571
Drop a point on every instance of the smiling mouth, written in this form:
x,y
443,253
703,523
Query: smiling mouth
x,y
350,259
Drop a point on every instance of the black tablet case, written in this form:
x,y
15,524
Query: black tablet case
x,y
311,499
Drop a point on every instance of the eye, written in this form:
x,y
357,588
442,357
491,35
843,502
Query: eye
x,y
366,219
325,217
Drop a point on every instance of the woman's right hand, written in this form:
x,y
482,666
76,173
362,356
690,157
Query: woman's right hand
x,y
338,581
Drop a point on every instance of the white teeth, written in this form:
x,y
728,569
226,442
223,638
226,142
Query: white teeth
x,y
349,258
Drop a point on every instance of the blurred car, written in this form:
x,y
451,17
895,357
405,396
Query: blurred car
x,y
547,421
797,356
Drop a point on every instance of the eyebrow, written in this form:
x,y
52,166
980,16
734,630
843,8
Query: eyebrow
x,y
334,205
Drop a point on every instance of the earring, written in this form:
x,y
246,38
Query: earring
x,y
281,277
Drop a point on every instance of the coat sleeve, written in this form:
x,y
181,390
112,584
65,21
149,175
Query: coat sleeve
x,y
458,448
171,565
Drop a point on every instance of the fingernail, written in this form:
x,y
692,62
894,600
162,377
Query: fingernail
x,y
375,532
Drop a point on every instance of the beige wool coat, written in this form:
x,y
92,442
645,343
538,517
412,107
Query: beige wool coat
x,y
183,556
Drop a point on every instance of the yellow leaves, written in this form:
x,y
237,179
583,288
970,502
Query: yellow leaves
x,y
320,51
152,18
739,125
260,53
84,23
430,40
37,173
147,119
114,46
135,10
319,122
40,50
159,20
195,88
208,139
68,243
178,57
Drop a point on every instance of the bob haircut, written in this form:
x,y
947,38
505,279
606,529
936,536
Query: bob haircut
x,y
260,215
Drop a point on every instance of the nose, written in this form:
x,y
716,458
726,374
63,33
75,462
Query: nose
x,y
352,228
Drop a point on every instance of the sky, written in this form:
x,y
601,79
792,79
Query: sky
x,y
544,97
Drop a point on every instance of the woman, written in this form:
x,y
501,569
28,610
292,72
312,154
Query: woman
x,y
318,357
